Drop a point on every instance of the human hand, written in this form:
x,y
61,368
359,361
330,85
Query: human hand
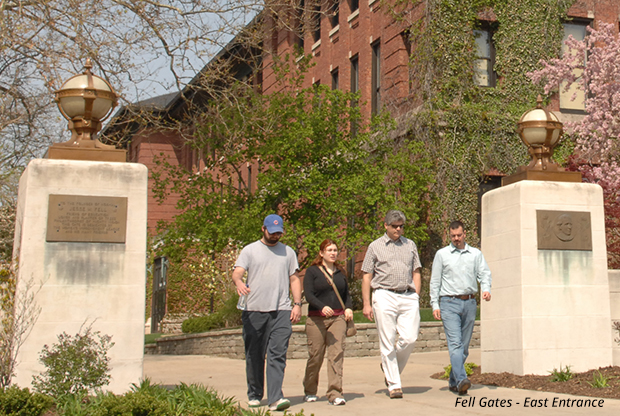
x,y
348,314
437,314
327,311
295,314
368,312
486,296
242,288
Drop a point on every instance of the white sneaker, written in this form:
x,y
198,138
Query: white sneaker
x,y
310,398
281,404
339,401
253,403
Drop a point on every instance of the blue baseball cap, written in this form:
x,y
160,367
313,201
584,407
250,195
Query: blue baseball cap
x,y
273,223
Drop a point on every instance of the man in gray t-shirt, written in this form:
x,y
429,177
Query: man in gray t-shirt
x,y
271,267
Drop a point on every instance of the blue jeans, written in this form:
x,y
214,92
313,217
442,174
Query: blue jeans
x,y
458,318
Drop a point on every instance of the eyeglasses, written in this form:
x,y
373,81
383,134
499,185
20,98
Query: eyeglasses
x,y
396,227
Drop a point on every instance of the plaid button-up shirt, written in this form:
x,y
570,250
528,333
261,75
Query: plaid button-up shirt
x,y
391,263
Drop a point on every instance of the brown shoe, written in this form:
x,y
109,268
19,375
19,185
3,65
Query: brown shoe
x,y
396,394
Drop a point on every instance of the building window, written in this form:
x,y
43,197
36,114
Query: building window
x,y
335,80
355,74
354,4
334,13
578,30
484,75
299,32
355,86
316,22
376,78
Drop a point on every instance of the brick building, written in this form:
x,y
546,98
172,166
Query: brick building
x,y
356,44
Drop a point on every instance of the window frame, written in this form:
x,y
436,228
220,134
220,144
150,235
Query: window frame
x,y
488,28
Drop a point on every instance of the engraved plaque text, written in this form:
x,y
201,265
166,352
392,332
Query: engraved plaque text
x,y
91,219
564,230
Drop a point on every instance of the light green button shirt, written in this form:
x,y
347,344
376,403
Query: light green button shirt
x,y
458,272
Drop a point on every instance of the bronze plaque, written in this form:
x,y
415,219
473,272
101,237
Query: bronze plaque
x,y
564,230
90,219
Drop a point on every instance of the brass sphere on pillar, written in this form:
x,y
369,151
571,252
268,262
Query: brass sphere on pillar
x,y
86,100
540,130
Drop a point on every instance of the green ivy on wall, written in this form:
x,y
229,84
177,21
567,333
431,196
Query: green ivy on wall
x,y
471,130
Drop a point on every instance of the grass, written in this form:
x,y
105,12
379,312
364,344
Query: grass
x,y
151,338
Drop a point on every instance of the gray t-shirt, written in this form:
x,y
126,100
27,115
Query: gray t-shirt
x,y
269,271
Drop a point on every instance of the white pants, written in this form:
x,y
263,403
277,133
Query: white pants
x,y
396,315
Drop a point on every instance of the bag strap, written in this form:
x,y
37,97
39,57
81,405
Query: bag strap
x,y
331,282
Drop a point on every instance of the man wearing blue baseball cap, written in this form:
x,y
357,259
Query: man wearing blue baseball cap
x,y
271,270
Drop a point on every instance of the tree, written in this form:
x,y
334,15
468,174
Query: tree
x,y
136,45
597,134
322,178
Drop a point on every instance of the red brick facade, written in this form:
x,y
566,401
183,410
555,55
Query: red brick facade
x,y
355,34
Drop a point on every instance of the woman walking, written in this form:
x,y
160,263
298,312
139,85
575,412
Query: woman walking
x,y
326,325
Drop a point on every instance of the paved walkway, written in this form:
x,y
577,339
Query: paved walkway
x,y
364,389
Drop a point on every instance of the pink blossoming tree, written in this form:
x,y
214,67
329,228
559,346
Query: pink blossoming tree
x,y
597,135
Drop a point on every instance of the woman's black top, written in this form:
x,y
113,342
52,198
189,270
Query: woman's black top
x,y
319,293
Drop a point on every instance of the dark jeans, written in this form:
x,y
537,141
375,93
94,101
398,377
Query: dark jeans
x,y
266,333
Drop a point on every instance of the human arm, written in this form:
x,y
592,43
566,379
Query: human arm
x,y
296,291
435,285
237,278
310,278
484,277
367,309
417,281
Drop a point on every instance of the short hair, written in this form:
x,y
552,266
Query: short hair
x,y
454,225
394,215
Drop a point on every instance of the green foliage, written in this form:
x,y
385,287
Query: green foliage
x,y
469,370
149,399
466,129
225,317
200,283
599,381
151,338
325,181
77,364
22,402
561,375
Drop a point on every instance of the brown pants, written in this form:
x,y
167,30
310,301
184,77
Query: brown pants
x,y
331,333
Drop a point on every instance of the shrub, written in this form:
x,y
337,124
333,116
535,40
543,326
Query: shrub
x,y
131,403
77,364
226,317
16,401
469,370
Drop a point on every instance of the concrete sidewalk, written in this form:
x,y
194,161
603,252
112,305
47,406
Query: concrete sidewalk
x,y
364,389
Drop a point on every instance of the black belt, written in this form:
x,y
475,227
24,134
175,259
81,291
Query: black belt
x,y
462,297
400,292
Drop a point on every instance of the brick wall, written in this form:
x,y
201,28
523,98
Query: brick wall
x,y
228,343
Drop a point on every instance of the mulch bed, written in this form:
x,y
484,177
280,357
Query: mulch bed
x,y
578,385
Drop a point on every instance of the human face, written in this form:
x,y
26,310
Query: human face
x,y
395,230
457,237
270,239
329,254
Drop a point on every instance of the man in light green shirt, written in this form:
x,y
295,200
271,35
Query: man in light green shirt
x,y
457,270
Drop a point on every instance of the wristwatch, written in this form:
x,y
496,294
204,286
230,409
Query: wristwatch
x,y
297,304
